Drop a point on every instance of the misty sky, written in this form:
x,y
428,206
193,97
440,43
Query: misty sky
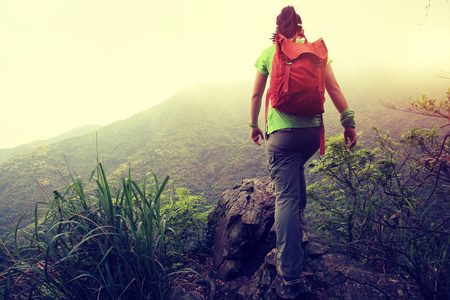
x,y
68,63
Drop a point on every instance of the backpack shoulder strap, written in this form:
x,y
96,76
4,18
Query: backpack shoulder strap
x,y
267,108
322,136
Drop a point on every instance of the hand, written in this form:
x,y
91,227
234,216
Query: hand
x,y
255,134
350,136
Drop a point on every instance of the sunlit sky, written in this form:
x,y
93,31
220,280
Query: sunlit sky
x,y
68,63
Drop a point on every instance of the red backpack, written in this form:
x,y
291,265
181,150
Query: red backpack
x,y
297,79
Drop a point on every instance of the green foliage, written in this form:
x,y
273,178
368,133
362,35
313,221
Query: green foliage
x,y
108,244
347,176
188,219
431,107
391,205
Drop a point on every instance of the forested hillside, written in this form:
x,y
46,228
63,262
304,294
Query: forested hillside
x,y
199,137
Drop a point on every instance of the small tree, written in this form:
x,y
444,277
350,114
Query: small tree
x,y
425,106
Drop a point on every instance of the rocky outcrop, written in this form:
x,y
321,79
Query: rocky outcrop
x,y
242,227
243,254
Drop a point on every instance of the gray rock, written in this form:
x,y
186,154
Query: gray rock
x,y
229,269
241,226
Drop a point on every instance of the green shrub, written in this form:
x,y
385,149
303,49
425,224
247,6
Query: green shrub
x,y
188,219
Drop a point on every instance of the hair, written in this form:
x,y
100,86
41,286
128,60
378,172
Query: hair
x,y
287,23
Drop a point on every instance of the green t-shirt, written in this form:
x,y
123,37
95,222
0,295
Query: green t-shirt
x,y
277,120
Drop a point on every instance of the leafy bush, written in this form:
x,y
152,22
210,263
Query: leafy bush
x,y
102,245
391,205
188,219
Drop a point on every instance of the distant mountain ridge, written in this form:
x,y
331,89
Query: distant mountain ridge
x,y
7,153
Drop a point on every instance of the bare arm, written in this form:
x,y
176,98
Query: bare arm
x,y
339,101
255,105
334,90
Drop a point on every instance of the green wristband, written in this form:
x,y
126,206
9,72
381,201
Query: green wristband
x,y
253,125
348,118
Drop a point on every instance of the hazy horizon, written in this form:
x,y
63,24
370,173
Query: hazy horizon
x,y
66,64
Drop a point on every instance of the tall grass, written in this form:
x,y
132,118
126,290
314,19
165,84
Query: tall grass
x,y
101,245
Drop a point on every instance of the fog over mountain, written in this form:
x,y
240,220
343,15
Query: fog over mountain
x,y
199,137
65,64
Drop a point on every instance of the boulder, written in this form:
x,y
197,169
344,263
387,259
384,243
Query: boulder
x,y
241,227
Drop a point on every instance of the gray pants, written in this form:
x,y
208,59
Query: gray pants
x,y
287,152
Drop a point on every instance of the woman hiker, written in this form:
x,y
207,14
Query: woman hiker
x,y
291,140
